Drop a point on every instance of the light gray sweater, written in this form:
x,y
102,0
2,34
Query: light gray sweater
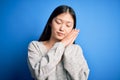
x,y
58,63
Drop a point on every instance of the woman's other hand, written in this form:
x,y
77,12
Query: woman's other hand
x,y
70,38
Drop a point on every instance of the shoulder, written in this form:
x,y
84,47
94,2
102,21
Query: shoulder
x,y
33,44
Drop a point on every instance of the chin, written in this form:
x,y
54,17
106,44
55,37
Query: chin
x,y
59,38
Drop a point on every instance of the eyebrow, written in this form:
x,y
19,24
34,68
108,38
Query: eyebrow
x,y
63,20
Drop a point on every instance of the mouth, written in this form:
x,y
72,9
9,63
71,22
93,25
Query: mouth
x,y
60,34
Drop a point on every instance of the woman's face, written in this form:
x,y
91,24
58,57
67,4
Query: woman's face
x,y
61,26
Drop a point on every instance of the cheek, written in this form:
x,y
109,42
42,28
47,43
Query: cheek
x,y
68,31
53,26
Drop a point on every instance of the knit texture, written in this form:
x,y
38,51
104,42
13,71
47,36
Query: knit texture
x,y
58,63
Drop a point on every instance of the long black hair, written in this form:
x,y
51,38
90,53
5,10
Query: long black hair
x,y
59,10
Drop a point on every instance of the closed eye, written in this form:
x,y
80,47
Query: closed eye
x,y
58,21
69,24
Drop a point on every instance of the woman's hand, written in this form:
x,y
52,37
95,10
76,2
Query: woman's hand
x,y
70,38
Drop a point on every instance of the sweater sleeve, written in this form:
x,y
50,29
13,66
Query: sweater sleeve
x,y
75,63
41,66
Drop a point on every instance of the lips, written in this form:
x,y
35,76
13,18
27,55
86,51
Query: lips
x,y
60,34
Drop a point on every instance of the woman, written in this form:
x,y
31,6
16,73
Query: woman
x,y
55,56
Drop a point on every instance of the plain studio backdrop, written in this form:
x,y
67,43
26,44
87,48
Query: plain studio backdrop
x,y
22,21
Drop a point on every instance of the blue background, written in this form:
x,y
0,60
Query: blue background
x,y
23,21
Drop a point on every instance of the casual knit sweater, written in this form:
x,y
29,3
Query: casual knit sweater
x,y
58,63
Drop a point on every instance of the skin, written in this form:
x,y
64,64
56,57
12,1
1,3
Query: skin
x,y
62,30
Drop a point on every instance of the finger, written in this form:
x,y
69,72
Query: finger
x,y
74,37
73,33
71,37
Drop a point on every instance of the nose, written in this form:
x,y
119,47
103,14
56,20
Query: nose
x,y
62,27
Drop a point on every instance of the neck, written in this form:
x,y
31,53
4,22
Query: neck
x,y
49,44
52,41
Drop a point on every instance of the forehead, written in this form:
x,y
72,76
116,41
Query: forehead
x,y
66,17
